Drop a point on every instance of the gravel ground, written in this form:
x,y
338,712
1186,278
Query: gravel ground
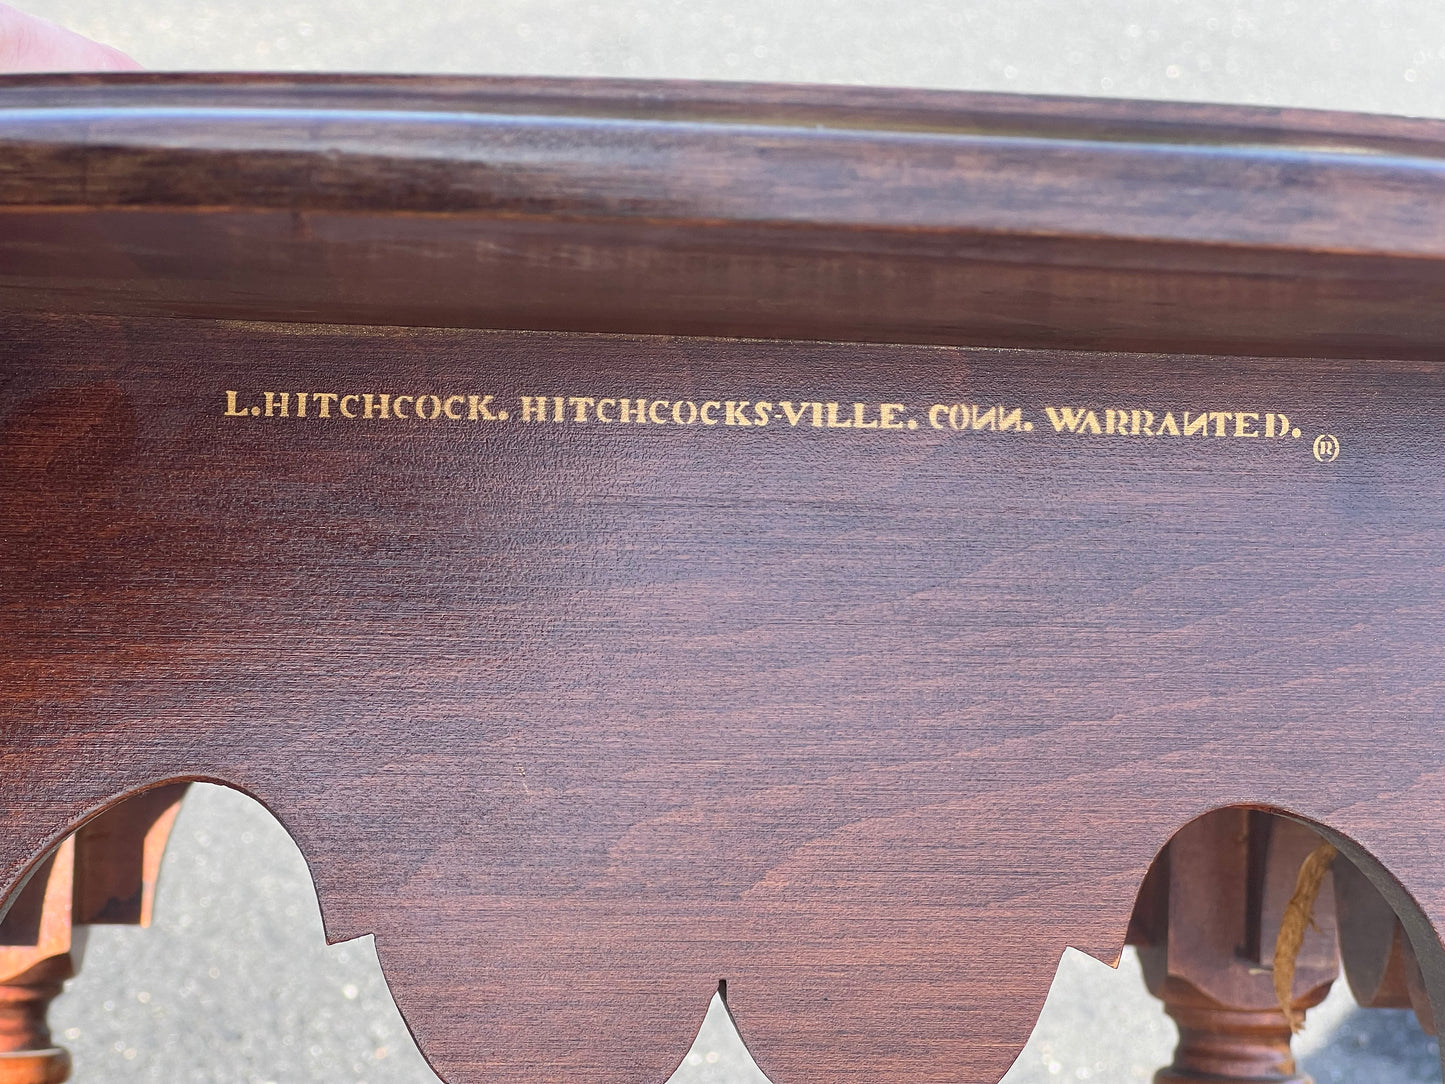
x,y
234,983
1374,55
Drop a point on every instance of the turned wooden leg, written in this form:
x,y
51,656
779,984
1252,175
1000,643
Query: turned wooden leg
x,y
27,1055
1206,926
105,873
35,961
1223,1044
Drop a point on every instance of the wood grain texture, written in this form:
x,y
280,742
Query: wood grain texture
x,y
713,210
581,718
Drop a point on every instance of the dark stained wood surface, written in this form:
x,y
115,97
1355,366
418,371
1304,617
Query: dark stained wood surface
x,y
820,213
580,718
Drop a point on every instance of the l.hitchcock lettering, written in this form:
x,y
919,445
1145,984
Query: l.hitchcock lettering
x,y
759,412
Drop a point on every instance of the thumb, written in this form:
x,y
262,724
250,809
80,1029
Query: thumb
x,y
31,44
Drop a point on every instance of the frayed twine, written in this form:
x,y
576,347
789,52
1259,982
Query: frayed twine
x,y
1299,915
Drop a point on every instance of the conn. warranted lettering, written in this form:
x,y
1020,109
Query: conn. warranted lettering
x,y
1071,421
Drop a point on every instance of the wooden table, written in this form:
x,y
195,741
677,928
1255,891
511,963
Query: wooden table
x,y
838,545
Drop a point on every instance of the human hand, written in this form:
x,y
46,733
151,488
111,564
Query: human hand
x,y
31,44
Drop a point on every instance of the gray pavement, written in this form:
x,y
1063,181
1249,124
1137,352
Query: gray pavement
x,y
234,983
1372,55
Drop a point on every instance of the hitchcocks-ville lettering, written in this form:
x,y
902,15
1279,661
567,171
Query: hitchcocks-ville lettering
x,y
585,410
736,413
1012,419
626,410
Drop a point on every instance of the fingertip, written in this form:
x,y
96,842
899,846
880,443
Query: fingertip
x,y
32,44
111,59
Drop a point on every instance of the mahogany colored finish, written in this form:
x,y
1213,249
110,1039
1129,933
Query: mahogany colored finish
x,y
118,858
35,960
1375,950
708,209
105,873
868,707
1229,876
